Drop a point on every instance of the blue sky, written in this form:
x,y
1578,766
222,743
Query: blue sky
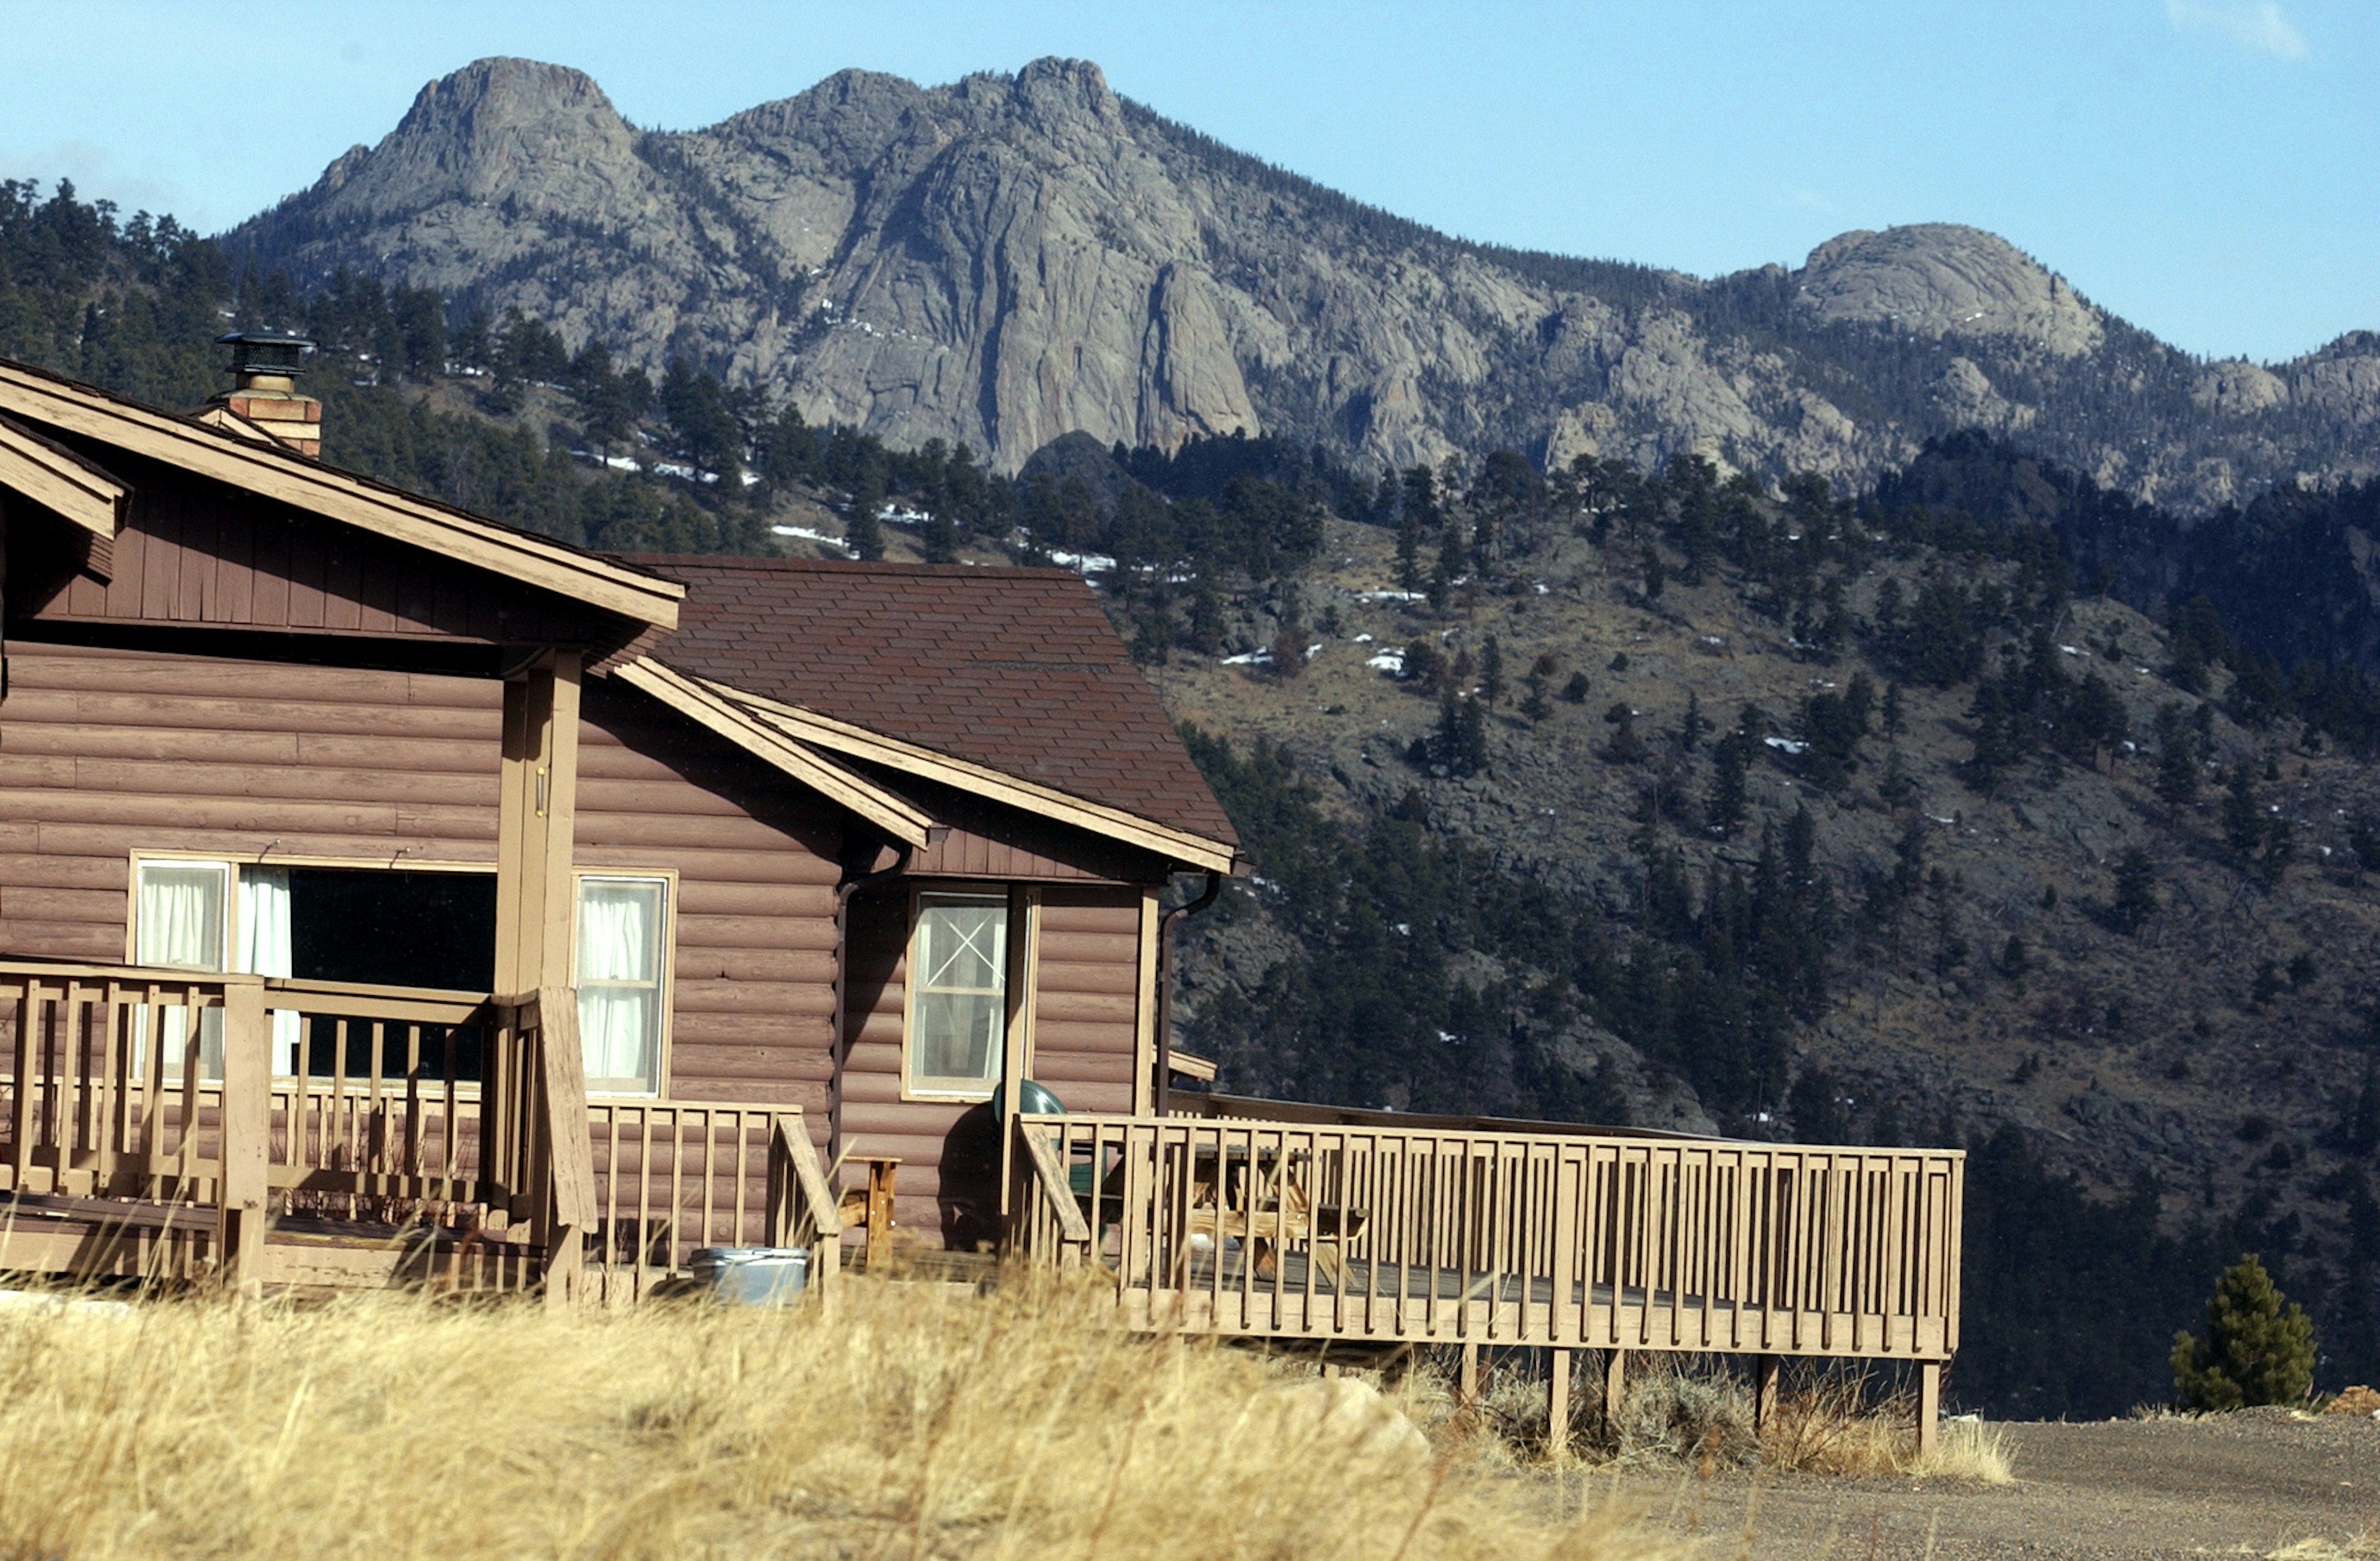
x,y
2209,169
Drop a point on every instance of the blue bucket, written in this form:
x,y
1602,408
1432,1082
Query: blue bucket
x,y
752,1276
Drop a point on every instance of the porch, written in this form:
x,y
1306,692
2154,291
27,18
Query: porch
x,y
442,1139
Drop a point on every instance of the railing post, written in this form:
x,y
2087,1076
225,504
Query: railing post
x,y
795,1178
569,1155
1929,1408
246,1136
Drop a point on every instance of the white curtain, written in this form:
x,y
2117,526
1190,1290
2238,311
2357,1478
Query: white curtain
x,y
619,978
958,1012
178,922
263,949
180,916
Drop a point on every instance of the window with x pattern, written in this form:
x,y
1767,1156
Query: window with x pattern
x,y
958,994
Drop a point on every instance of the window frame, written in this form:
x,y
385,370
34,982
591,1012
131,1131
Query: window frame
x,y
231,867
1010,978
666,986
236,860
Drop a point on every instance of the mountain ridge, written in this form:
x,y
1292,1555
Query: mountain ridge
x,y
1007,259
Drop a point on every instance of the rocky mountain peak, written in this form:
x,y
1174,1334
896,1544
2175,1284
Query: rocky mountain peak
x,y
498,128
1945,279
1014,257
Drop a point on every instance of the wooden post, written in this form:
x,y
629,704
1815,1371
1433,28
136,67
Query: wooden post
x,y
536,912
883,1176
1764,1391
569,1152
1558,1408
536,813
1615,1389
1467,1391
806,1185
1929,1408
246,1136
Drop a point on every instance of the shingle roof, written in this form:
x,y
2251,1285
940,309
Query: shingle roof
x,y
1016,669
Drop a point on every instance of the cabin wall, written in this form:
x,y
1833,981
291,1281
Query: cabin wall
x,y
1086,997
756,859
109,752
1087,1003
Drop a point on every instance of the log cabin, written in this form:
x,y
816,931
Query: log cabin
x,y
389,894
854,840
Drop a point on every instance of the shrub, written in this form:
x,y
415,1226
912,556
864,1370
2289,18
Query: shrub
x,y
2258,1349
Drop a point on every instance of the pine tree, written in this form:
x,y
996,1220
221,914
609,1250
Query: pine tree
x,y
1892,712
2243,815
1693,726
1626,746
1724,810
1656,577
2258,1349
1408,552
863,533
2136,895
1491,672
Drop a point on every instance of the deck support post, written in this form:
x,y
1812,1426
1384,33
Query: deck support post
x,y
1764,1391
1929,1408
246,1137
1558,1408
1466,1388
1615,1389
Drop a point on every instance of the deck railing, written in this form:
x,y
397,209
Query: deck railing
x,y
155,1087
1374,1231
673,1177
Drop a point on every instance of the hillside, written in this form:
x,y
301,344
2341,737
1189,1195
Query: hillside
x,y
1008,259
1777,809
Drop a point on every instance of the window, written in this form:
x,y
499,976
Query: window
x,y
376,926
182,919
619,970
958,995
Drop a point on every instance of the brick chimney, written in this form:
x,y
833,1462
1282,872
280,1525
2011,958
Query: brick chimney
x,y
263,404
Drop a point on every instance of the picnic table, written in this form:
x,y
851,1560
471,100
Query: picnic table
x,y
1264,1198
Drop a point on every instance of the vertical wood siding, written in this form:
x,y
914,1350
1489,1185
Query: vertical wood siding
x,y
194,551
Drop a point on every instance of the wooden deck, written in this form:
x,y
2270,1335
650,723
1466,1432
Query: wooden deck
x,y
1381,1232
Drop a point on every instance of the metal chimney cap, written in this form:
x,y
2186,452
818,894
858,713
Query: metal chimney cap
x,y
266,352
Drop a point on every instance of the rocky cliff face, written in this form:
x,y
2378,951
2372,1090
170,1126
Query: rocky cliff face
x,y
1008,258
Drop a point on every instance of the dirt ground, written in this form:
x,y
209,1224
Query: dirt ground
x,y
2258,1483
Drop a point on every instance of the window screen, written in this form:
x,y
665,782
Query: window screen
x,y
619,974
958,998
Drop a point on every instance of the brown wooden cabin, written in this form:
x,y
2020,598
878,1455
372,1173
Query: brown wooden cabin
x,y
411,894
316,730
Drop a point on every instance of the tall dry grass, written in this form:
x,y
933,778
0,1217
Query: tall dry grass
x,y
1830,1420
907,1425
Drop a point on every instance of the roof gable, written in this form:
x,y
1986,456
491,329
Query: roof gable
x,y
54,406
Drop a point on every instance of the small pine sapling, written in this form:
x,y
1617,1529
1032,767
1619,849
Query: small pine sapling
x,y
2258,1349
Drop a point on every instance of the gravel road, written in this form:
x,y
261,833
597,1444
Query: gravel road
x,y
2247,1484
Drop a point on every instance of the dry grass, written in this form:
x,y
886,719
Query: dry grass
x,y
1694,1411
907,1425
